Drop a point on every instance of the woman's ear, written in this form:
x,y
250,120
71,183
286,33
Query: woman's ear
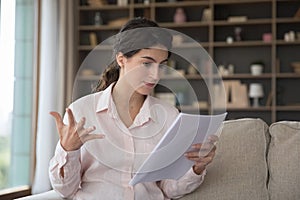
x,y
120,58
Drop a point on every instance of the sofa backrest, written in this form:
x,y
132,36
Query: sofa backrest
x,y
246,153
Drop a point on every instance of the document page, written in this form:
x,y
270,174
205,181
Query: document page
x,y
167,160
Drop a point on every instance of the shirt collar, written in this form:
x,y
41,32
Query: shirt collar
x,y
105,102
145,113
104,99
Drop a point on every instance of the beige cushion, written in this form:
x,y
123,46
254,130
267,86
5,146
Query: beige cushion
x,y
239,170
50,195
284,161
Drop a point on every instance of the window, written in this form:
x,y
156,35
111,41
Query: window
x,y
17,31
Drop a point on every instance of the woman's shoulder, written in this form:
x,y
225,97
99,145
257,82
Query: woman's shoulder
x,y
84,100
85,104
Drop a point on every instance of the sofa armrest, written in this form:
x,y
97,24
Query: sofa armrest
x,y
50,195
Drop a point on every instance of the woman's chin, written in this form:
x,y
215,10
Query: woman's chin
x,y
144,90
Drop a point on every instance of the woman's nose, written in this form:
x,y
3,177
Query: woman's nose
x,y
154,72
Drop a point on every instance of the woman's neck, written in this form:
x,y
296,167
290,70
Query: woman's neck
x,y
127,101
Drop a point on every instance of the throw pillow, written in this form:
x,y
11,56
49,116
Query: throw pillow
x,y
284,161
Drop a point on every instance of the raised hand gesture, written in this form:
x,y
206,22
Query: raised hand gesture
x,y
74,135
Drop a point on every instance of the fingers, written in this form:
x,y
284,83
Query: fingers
x,y
58,119
203,154
192,154
80,124
86,131
202,146
203,162
213,139
204,151
198,158
70,117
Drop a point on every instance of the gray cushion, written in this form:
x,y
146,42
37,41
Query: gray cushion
x,y
284,161
239,170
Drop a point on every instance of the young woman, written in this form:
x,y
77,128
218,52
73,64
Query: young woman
x,y
105,136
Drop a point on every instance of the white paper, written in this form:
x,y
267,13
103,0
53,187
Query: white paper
x,y
167,160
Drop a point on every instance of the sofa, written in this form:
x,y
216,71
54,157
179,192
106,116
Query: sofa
x,y
253,161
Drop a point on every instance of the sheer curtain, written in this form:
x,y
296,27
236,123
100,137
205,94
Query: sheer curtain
x,y
56,62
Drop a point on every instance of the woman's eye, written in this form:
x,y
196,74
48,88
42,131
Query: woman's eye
x,y
161,66
147,64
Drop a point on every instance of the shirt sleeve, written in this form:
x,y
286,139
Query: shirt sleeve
x,y
65,171
175,189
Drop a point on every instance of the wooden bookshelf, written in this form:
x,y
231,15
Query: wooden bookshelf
x,y
263,16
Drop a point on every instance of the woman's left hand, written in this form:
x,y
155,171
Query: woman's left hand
x,y
202,161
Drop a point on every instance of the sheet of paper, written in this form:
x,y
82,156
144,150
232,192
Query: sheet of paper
x,y
167,160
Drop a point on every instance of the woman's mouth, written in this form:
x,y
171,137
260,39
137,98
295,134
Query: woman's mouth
x,y
151,85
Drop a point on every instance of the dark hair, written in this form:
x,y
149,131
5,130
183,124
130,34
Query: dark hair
x,y
130,40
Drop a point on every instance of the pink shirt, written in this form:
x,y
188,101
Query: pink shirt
x,y
102,168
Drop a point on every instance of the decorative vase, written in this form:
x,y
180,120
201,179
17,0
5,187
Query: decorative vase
x,y
179,16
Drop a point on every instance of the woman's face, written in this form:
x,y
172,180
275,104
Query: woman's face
x,y
142,70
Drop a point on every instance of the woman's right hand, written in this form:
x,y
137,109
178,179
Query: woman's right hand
x,y
74,135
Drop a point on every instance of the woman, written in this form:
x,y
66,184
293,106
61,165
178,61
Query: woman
x,y
129,123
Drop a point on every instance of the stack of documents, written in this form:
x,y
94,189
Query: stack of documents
x,y
167,160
